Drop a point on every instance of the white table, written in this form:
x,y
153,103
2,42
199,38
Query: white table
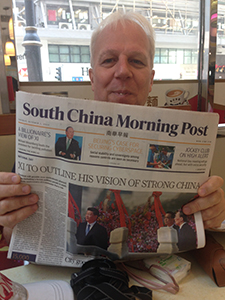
x,y
197,285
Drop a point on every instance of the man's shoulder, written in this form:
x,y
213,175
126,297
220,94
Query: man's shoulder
x,y
175,226
61,138
187,226
82,224
99,226
74,141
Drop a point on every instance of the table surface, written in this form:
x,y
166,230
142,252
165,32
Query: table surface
x,y
196,285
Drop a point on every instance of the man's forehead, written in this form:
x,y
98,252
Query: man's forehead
x,y
113,30
168,216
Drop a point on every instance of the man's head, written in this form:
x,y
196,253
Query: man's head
x,y
180,218
122,54
91,215
164,150
169,218
153,148
69,132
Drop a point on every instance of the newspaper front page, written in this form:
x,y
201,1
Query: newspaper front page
x,y
132,164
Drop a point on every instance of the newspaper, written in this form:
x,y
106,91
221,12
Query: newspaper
x,y
132,163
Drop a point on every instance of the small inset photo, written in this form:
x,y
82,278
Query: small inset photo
x,y
67,145
160,156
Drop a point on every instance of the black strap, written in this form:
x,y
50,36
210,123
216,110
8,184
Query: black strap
x,y
141,292
115,274
104,289
100,280
109,292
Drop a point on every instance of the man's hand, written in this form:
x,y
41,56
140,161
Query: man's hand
x,y
210,202
16,202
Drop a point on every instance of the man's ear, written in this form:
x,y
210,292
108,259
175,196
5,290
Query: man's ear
x,y
91,76
151,82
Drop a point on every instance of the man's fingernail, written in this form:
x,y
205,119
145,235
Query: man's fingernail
x,y
32,199
186,210
201,192
15,179
26,189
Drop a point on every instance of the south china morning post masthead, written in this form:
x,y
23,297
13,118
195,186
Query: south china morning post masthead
x,y
80,115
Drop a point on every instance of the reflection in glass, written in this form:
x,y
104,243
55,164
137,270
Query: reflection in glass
x,y
68,25
220,53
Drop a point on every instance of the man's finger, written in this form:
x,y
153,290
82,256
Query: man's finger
x,y
9,178
211,185
13,218
202,203
215,222
14,190
214,212
14,203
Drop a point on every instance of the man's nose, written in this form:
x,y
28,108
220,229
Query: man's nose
x,y
123,69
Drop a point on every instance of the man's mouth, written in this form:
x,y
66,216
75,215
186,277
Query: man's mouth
x,y
121,96
123,93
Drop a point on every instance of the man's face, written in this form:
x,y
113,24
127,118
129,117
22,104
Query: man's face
x,y
122,68
90,217
168,220
178,220
70,133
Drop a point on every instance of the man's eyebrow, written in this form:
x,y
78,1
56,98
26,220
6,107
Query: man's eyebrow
x,y
115,52
107,52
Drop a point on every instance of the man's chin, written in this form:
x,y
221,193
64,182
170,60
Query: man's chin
x,y
125,99
129,100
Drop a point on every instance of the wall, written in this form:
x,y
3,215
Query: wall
x,y
83,90
7,152
218,163
219,92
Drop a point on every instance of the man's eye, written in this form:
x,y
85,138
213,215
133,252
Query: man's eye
x,y
108,61
137,62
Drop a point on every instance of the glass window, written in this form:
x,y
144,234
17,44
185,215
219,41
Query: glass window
x,y
68,54
85,56
220,53
64,54
75,54
53,53
190,57
65,31
157,56
164,56
172,56
187,56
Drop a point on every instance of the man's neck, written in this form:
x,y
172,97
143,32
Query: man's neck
x,y
91,223
182,224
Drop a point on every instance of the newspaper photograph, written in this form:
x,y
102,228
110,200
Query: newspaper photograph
x,y
111,179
